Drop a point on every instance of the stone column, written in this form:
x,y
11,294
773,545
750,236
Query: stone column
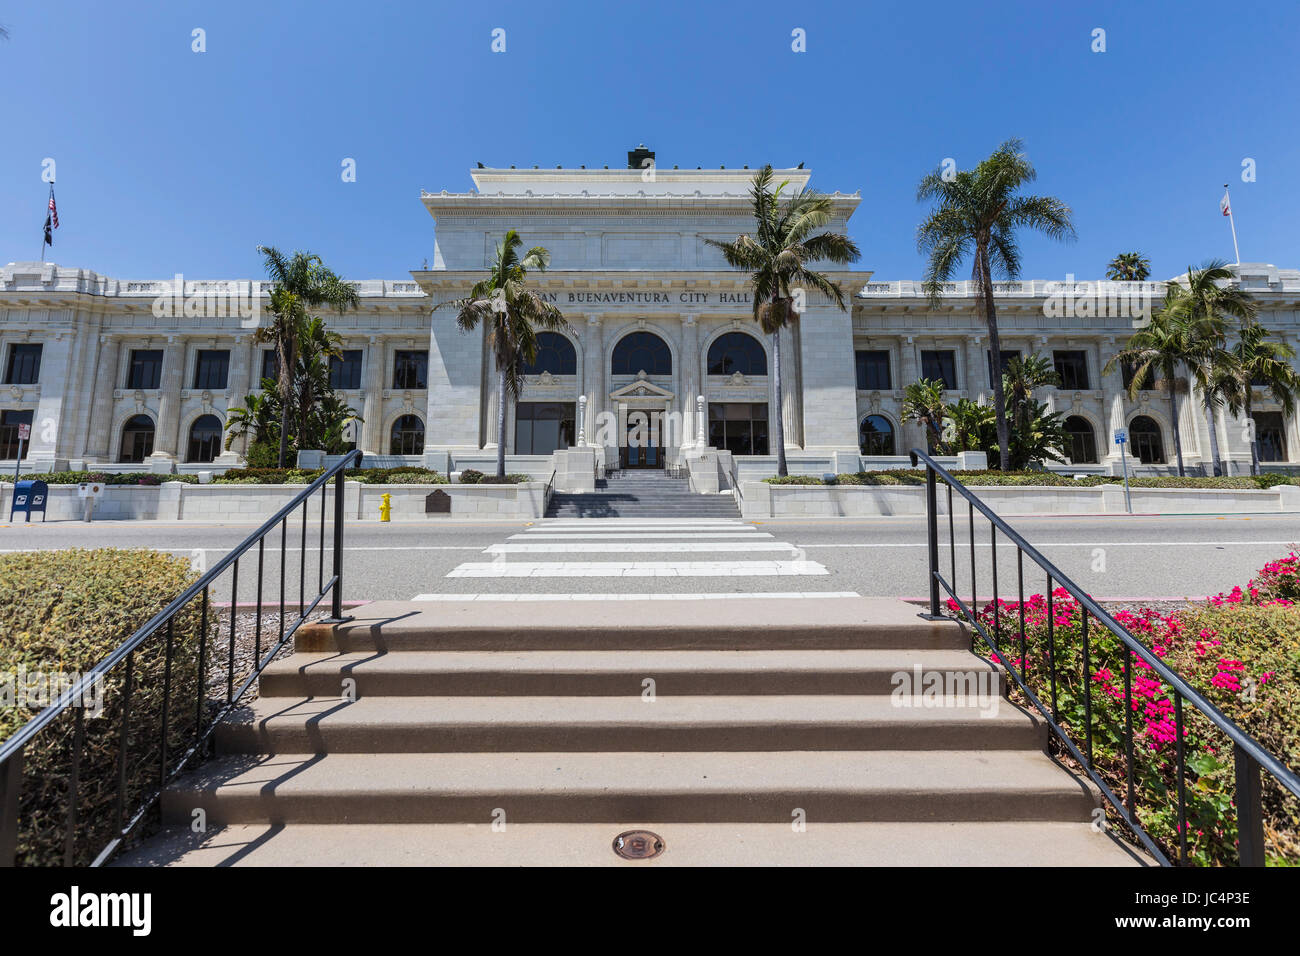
x,y
593,369
242,357
792,386
977,372
372,397
99,440
691,379
166,429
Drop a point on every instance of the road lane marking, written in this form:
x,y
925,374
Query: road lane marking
x,y
658,596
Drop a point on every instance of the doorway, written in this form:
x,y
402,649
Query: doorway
x,y
643,439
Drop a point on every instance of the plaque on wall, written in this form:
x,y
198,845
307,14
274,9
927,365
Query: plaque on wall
x,y
437,503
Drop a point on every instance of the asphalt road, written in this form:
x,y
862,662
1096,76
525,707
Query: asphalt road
x,y
1113,557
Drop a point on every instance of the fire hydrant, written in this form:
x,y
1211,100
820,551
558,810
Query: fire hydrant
x,y
385,507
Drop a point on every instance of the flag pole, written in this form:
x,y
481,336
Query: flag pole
x,y
1233,225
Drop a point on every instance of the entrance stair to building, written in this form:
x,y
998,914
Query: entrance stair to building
x,y
641,493
475,732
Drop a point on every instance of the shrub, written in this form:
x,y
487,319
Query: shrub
x,y
416,477
914,476
64,612
145,479
471,476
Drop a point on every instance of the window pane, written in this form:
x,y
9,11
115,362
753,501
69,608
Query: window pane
x,y
411,369
641,351
211,368
940,366
345,372
873,370
736,352
146,369
24,364
1072,367
555,354
9,422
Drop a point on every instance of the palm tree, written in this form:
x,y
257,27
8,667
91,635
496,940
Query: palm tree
x,y
513,314
779,255
1128,267
923,403
1257,364
300,282
1167,341
978,213
967,425
317,345
1207,299
1020,378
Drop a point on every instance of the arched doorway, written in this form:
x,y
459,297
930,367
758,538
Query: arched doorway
x,y
1081,441
1148,444
407,436
137,439
876,436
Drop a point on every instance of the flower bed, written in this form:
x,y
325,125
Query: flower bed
x,y
145,479
1240,650
1045,479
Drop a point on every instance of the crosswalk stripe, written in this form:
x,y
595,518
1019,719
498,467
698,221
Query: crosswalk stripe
x,y
659,596
630,569
643,536
665,547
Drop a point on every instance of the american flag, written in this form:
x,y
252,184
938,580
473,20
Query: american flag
x,y
54,210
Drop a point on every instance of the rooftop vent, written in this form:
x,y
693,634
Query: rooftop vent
x,y
636,158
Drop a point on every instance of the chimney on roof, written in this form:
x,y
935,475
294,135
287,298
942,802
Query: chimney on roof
x,y
636,158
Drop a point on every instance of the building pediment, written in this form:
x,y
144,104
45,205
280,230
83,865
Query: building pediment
x,y
641,388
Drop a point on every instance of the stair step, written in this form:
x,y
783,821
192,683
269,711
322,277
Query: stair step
x,y
747,787
606,673
626,724
685,844
855,622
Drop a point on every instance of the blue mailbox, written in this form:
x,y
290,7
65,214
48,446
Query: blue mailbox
x,y
29,496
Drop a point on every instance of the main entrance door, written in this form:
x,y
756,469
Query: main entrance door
x,y
643,442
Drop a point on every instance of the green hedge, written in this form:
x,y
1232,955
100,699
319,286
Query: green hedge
x,y
146,479
64,612
1041,479
472,476
404,475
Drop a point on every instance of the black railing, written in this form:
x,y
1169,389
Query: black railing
x,y
1249,756
184,730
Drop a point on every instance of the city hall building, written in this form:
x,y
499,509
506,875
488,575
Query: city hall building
x,y
660,357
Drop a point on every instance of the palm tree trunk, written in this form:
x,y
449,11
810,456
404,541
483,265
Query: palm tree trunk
x,y
501,423
1254,439
286,392
1214,437
995,356
779,437
1173,417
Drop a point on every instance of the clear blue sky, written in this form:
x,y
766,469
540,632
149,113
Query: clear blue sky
x,y
174,161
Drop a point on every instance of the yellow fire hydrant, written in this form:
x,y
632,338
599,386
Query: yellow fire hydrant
x,y
385,507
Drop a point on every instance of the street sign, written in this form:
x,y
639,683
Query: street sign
x,y
1121,436
24,432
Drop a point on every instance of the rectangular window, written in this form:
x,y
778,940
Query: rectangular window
x,y
146,369
940,366
24,365
1007,356
1148,383
9,422
543,427
411,369
270,365
345,372
873,371
211,369
739,427
1072,367
1270,435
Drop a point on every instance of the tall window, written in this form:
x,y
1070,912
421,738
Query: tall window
x,y
739,427
641,352
1144,436
1006,354
407,437
1148,381
211,368
9,422
543,427
873,371
1072,367
270,365
876,436
24,366
1081,441
146,369
411,369
345,370
555,354
1270,433
137,439
940,366
736,352
205,439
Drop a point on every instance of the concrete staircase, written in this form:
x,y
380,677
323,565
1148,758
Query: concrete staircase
x,y
642,494
718,725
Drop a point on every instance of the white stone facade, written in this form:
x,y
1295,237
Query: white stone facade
x,y
628,254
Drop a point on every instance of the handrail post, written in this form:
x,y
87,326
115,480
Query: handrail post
x,y
932,537
11,785
336,595
1250,808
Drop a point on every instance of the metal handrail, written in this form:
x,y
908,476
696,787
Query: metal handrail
x,y
1249,754
11,750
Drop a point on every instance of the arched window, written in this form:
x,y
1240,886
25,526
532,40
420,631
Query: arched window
x,y
137,438
641,351
205,438
737,352
1144,436
407,436
876,436
555,354
1081,442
